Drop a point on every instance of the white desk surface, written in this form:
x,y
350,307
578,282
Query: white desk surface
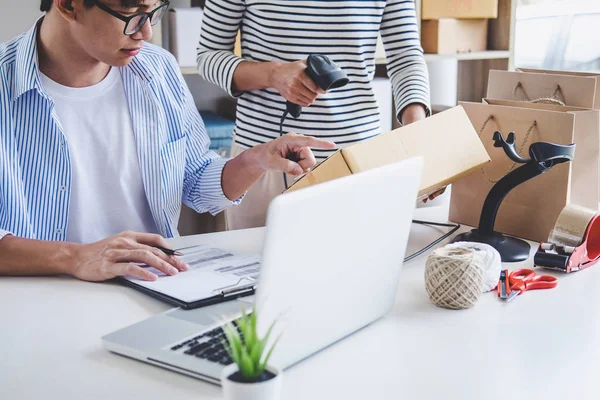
x,y
543,345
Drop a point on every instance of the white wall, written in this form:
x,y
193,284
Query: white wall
x,y
17,16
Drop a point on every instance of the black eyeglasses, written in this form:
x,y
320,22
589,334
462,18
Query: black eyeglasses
x,y
136,22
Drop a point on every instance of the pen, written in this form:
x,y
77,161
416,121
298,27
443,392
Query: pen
x,y
168,251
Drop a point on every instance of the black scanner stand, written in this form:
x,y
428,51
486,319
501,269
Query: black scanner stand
x,y
543,156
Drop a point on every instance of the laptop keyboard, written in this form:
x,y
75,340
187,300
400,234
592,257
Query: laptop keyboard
x,y
207,346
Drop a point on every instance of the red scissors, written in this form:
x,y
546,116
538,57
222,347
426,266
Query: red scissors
x,y
521,280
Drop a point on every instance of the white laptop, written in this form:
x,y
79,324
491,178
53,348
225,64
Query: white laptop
x,y
330,266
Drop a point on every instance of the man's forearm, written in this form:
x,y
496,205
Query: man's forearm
x,y
240,173
34,257
251,75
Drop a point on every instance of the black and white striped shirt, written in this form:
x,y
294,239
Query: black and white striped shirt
x,y
290,30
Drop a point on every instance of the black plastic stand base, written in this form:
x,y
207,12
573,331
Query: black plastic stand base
x,y
511,249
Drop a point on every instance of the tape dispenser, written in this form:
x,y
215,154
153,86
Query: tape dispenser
x,y
574,243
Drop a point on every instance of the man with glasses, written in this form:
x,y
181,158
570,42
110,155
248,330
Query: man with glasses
x,y
99,135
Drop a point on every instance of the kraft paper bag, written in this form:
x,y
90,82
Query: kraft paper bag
x,y
569,90
530,210
571,73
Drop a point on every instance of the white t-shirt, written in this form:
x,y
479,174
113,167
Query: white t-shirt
x,y
107,193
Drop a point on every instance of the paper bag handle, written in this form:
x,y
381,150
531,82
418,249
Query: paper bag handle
x,y
514,164
548,100
552,99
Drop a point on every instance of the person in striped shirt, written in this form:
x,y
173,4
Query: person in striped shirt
x,y
99,134
276,39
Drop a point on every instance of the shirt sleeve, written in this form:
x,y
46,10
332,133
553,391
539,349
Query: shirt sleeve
x,y
406,65
216,60
202,188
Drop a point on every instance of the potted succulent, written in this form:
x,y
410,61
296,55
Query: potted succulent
x,y
249,377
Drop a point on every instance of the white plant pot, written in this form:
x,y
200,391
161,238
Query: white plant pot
x,y
267,390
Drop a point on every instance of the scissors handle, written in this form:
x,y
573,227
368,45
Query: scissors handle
x,y
526,279
541,282
523,274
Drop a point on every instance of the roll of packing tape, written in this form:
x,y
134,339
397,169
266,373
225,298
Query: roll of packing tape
x,y
570,228
492,264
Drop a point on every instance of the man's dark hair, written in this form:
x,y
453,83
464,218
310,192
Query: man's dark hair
x,y
47,4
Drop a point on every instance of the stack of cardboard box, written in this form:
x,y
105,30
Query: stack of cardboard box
x,y
456,26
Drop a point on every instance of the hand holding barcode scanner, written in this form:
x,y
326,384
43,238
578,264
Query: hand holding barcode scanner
x,y
323,75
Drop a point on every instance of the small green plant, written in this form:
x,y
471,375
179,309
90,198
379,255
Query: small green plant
x,y
247,350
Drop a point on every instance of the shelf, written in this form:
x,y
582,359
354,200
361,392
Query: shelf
x,y
476,55
189,70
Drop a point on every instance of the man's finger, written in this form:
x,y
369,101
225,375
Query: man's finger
x,y
303,95
173,260
299,88
294,98
129,269
150,239
306,159
300,102
437,193
309,141
287,166
310,84
147,257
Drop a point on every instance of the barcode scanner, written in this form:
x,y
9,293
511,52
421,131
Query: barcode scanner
x,y
326,75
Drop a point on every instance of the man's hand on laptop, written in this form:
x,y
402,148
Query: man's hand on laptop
x,y
119,255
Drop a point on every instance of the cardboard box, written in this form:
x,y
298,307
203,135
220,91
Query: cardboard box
x,y
447,141
437,9
237,48
451,36
184,34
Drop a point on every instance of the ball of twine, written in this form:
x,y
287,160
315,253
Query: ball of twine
x,y
454,277
492,262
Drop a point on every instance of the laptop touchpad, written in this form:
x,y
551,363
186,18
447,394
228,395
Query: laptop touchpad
x,y
211,315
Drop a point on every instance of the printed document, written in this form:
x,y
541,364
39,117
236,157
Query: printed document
x,y
211,270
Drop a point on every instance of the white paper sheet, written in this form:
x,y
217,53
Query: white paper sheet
x,y
211,269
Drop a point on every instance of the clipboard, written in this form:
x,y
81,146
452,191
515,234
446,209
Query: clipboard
x,y
213,264
219,297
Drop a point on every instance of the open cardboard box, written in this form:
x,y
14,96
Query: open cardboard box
x,y
447,141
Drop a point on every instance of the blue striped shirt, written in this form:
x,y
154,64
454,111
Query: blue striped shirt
x,y
35,172
290,30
